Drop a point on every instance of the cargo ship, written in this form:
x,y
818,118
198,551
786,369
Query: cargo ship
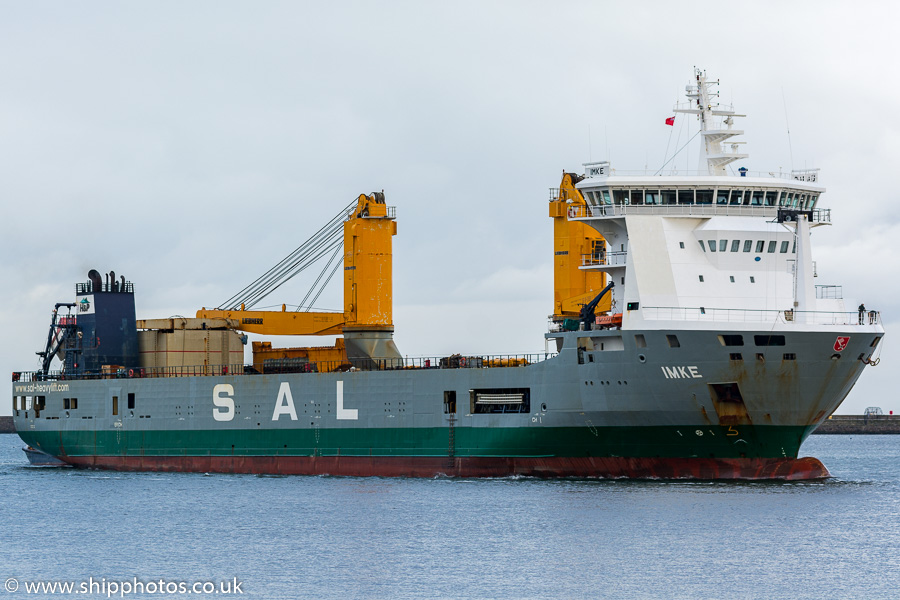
x,y
688,339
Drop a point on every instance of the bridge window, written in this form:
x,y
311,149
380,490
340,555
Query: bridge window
x,y
651,197
735,245
812,200
685,196
748,245
668,197
737,197
771,198
784,246
704,196
722,197
637,196
757,198
620,196
606,199
786,198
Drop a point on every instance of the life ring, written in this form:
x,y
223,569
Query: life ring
x,y
462,361
131,372
572,212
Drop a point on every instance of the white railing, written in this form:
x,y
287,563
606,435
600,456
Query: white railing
x,y
606,259
739,315
829,292
819,215
785,175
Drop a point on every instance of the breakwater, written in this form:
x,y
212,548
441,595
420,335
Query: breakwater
x,y
860,424
6,425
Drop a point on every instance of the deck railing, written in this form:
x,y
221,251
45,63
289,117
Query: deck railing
x,y
731,315
455,361
609,259
819,215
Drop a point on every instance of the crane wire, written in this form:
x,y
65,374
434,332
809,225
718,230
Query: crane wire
x,y
320,243
318,279
286,264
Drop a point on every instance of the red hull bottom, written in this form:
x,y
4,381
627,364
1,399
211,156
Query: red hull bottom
x,y
790,469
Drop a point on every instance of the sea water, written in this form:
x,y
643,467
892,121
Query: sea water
x,y
341,537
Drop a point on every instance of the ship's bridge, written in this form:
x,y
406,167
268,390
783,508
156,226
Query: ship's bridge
x,y
614,194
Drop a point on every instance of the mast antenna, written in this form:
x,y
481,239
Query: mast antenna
x,y
788,126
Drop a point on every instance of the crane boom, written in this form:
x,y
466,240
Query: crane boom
x,y
368,301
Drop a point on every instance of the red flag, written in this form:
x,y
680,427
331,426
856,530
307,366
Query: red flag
x,y
670,121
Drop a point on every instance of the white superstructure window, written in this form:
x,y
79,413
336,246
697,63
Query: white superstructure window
x,y
712,245
759,246
735,245
748,245
723,245
752,279
784,246
737,197
772,245
702,245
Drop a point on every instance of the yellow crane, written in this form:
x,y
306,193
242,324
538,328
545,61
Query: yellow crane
x,y
367,319
575,245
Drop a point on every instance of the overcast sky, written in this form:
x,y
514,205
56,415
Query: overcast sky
x,y
190,146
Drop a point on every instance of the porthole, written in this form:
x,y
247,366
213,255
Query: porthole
x,y
642,358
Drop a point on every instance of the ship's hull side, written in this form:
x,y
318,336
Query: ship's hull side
x,y
612,410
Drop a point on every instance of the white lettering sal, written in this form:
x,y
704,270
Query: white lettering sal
x,y
285,403
222,398
345,414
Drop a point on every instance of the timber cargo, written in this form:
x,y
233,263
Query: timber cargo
x,y
687,340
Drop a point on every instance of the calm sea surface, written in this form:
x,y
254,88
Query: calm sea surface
x,y
331,537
